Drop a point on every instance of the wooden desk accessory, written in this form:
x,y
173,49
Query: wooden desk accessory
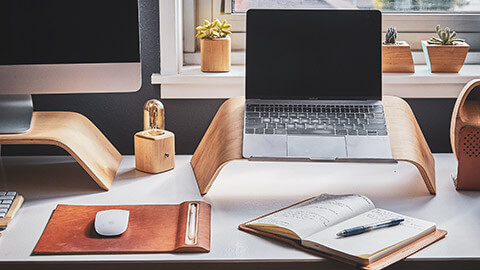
x,y
155,146
222,143
175,228
465,136
17,203
79,137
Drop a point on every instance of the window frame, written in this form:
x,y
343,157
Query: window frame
x,y
412,27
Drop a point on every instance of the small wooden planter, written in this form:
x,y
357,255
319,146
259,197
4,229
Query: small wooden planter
x,y
445,58
215,54
465,136
397,58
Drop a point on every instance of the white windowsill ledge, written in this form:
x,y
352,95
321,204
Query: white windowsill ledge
x,y
191,83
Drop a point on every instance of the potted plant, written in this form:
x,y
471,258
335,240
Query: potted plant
x,y
215,46
396,55
446,53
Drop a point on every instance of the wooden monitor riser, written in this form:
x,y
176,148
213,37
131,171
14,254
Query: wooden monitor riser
x,y
78,136
222,142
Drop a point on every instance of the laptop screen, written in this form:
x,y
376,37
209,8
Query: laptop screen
x,y
313,54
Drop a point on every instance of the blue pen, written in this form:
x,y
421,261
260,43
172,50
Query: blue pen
x,y
367,228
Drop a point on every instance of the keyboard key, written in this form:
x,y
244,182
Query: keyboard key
x,y
3,211
304,120
382,132
253,120
300,126
11,193
252,114
276,120
264,114
302,115
281,126
362,132
376,121
259,131
7,202
254,125
2,215
249,130
371,132
310,132
352,132
280,131
283,115
271,125
268,131
274,115
3,193
350,115
7,197
379,116
291,126
375,127
295,120
310,126
341,132
266,120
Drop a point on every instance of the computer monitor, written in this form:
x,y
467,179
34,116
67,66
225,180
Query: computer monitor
x,y
58,46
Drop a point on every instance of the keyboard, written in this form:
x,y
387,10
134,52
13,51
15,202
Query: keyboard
x,y
330,120
6,201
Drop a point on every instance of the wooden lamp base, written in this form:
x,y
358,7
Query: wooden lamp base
x,y
154,151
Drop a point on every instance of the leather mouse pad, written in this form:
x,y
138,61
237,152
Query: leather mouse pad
x,y
151,229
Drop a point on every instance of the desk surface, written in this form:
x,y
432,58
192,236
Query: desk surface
x,y
244,190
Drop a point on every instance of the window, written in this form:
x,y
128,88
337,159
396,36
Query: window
x,y
414,19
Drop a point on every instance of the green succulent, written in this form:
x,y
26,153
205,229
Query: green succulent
x,y
391,35
445,37
213,30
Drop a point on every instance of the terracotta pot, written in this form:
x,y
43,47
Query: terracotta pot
x,y
215,54
397,58
445,58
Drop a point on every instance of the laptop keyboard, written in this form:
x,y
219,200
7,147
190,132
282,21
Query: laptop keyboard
x,y
336,120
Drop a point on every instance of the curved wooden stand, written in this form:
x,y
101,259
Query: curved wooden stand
x,y
79,137
222,142
465,136
465,113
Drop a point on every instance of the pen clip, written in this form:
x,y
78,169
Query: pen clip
x,y
191,230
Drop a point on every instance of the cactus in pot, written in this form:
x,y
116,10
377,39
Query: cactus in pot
x,y
396,55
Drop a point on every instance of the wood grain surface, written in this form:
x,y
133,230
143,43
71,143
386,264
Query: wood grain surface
x,y
215,55
79,137
397,58
445,58
222,142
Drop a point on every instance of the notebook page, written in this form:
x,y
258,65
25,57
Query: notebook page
x,y
317,214
372,244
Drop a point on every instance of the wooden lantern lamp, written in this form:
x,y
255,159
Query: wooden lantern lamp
x,y
154,146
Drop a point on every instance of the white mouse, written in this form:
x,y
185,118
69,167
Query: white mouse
x,y
111,222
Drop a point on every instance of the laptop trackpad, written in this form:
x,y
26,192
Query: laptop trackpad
x,y
316,146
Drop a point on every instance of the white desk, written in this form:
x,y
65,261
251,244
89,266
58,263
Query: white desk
x,y
243,190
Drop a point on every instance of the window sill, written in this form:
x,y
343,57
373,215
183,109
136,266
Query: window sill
x,y
191,83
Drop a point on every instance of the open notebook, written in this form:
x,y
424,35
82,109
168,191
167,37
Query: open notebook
x,y
314,223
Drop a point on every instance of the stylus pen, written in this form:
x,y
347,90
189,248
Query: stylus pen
x,y
367,228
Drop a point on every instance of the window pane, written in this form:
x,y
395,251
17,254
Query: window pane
x,y
461,6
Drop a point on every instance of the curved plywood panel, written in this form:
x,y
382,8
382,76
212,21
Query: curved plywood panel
x,y
222,142
79,137
466,112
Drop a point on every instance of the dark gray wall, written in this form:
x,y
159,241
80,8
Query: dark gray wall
x,y
119,116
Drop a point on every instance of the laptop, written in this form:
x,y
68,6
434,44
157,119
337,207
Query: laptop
x,y
314,86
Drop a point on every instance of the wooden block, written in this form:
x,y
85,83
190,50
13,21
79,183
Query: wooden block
x,y
17,203
79,137
445,58
154,151
397,58
215,54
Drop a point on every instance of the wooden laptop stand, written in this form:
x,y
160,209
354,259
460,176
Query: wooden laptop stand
x,y
78,136
222,142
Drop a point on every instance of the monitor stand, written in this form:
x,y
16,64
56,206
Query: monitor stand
x,y
15,113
